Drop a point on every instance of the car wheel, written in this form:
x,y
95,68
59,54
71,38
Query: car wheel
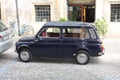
x,y
82,57
25,55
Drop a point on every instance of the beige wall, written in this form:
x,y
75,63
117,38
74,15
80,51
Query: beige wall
x,y
27,11
114,27
9,10
58,10
2,10
103,10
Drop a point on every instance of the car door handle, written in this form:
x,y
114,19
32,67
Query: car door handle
x,y
36,40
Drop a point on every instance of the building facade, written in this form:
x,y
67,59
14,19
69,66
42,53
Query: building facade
x,y
37,12
110,10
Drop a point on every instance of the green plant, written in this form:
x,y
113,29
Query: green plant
x,y
62,19
101,26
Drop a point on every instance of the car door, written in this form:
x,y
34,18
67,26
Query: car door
x,y
73,39
48,42
69,46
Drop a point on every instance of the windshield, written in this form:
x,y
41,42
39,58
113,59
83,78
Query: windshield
x,y
2,27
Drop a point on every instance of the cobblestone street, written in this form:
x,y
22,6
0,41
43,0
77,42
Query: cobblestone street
x,y
106,67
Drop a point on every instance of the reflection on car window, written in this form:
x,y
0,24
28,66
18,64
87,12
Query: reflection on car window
x,y
92,33
50,32
81,33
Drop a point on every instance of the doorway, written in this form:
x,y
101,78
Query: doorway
x,y
74,13
84,13
89,13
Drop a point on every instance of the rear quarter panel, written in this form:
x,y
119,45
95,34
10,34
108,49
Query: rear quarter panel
x,y
93,46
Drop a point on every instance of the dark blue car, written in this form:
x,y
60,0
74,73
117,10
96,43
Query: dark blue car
x,y
77,40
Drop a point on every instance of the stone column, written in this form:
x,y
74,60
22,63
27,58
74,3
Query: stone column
x,y
99,9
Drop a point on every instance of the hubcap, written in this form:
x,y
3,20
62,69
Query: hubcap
x,y
82,58
24,55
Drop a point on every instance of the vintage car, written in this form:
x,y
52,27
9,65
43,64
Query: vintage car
x,y
77,40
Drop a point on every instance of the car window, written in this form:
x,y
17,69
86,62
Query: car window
x,y
92,33
50,32
81,33
2,27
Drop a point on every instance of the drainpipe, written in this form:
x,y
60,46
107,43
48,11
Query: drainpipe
x,y
17,15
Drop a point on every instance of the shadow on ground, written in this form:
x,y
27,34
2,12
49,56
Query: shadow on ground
x,y
63,60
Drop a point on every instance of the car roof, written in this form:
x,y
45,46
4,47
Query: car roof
x,y
67,24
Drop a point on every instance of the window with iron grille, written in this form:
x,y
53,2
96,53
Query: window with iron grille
x,y
42,12
115,12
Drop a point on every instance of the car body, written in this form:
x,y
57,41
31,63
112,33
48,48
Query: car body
x,y
5,38
64,40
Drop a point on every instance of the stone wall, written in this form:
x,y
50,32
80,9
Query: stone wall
x,y
58,10
27,11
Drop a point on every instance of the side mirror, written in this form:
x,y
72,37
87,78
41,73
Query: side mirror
x,y
36,39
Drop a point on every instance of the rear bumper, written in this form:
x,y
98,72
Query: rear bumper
x,y
100,53
5,45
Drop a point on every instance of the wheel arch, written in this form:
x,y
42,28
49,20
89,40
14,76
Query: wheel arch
x,y
23,52
23,46
83,49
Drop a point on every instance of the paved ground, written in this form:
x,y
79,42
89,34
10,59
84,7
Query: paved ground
x,y
106,67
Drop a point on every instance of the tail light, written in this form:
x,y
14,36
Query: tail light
x,y
102,48
0,36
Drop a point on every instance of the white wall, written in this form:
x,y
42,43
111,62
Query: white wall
x,y
101,9
63,8
98,10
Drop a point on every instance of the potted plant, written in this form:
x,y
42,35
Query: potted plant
x,y
101,26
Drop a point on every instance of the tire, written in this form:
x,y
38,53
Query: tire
x,y
25,55
82,57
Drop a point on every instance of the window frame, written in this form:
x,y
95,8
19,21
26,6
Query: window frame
x,y
93,31
42,13
78,33
115,12
49,37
